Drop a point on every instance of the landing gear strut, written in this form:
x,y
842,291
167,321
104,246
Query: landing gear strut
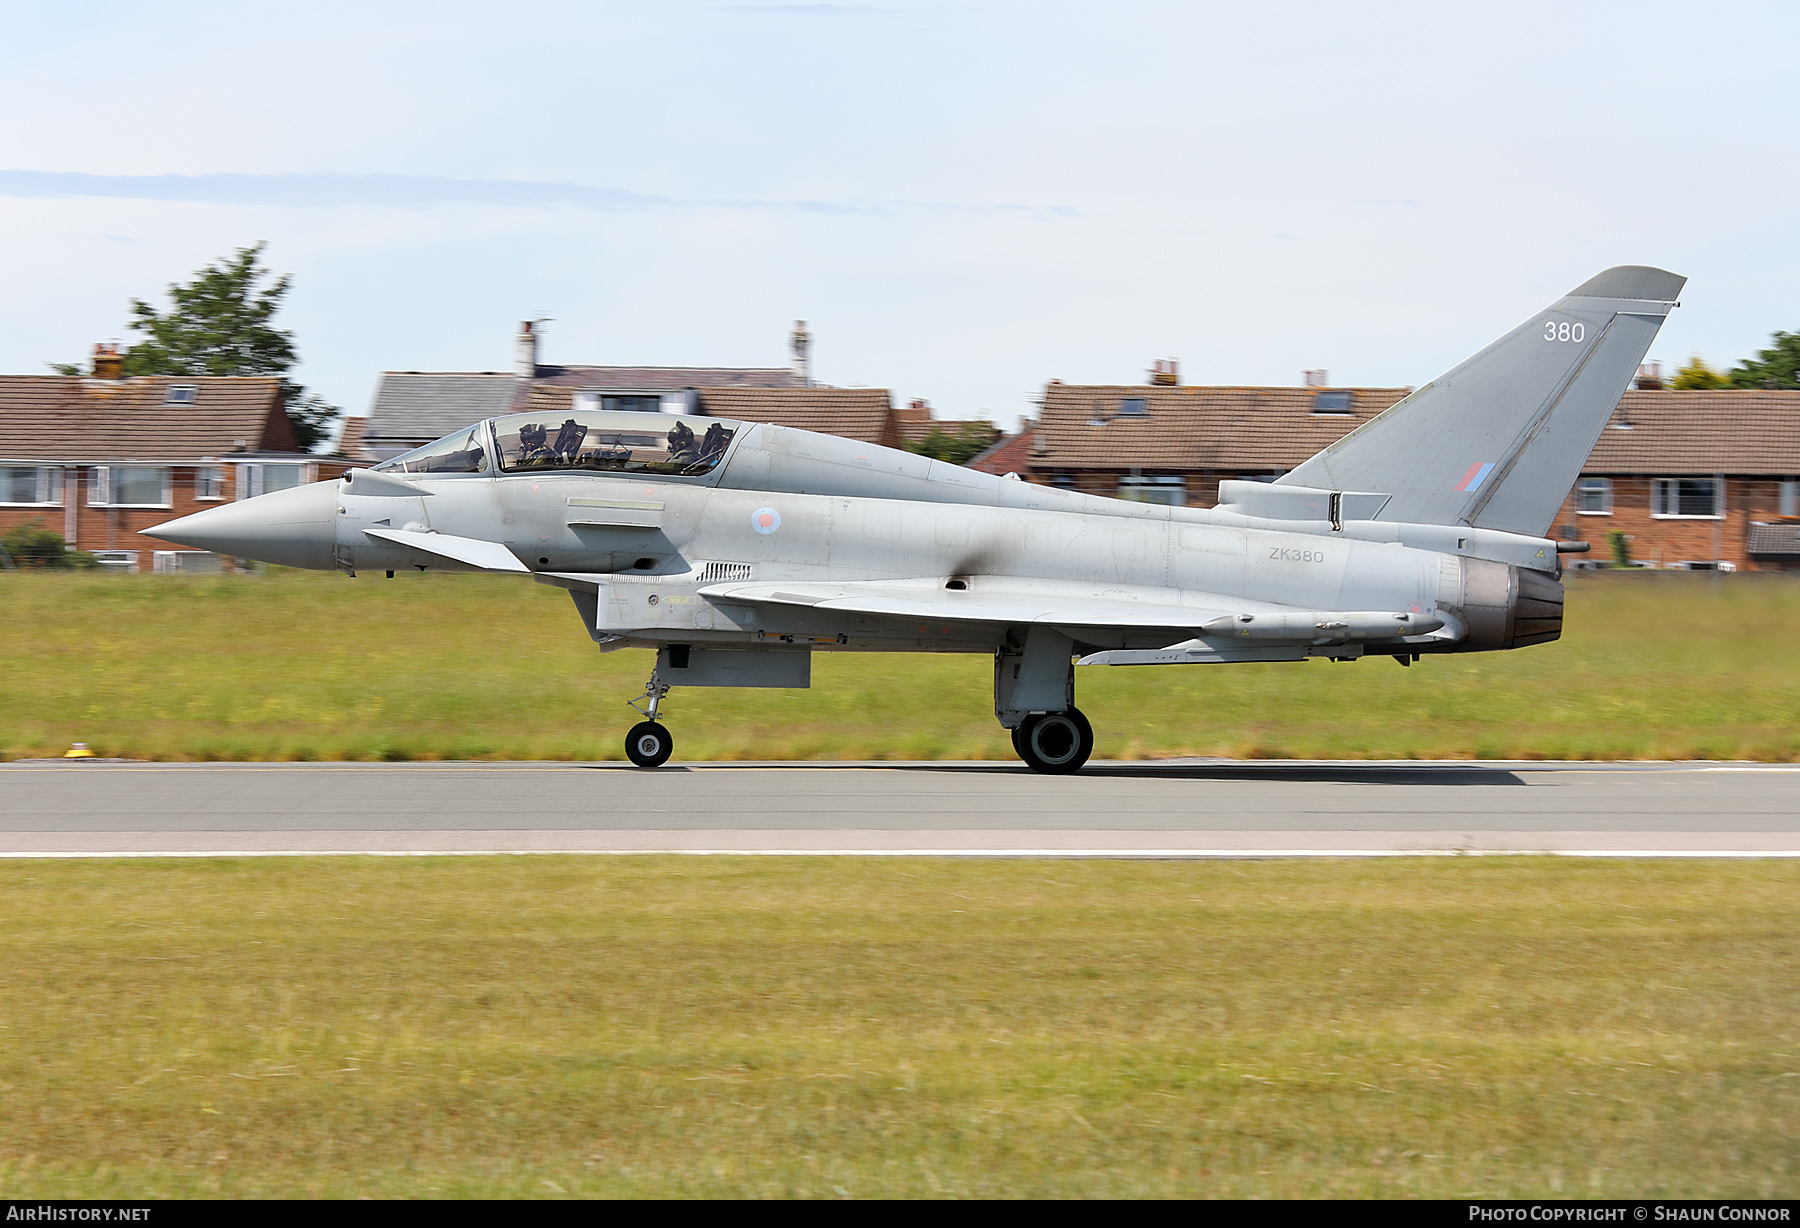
x,y
1055,743
649,744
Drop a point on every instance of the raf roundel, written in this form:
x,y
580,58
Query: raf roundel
x,y
765,520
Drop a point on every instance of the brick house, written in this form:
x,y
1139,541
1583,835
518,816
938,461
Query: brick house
x,y
98,458
1695,479
416,407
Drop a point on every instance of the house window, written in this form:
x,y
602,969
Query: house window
x,y
1062,479
129,486
30,485
1133,407
1167,488
254,480
629,403
1789,504
1687,497
209,482
182,394
1331,403
1593,497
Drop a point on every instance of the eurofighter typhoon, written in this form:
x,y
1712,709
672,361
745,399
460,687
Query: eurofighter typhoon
x,y
737,550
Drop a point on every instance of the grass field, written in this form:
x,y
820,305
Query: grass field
x,y
661,1026
296,665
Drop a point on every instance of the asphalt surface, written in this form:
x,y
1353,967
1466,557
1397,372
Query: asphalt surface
x,y
1175,808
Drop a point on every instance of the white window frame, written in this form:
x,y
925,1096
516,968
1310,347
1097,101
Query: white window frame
x,y
1154,482
1787,498
1665,491
173,397
49,486
100,486
118,560
164,562
201,485
250,476
1603,487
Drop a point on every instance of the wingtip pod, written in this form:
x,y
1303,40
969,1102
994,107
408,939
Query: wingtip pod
x,y
1632,281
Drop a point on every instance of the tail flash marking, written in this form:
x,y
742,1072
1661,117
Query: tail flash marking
x,y
1477,474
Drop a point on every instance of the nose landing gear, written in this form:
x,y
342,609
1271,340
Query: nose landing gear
x,y
649,744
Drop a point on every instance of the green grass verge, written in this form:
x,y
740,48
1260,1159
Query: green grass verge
x,y
298,665
722,1027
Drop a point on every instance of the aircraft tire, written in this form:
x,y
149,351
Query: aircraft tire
x,y
649,745
1056,743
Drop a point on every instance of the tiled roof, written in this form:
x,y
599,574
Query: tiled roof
x,y
1194,428
73,418
1775,540
1743,431
422,405
666,379
350,440
854,413
1012,454
1273,429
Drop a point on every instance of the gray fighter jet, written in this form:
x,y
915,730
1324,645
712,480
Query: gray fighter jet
x,y
737,550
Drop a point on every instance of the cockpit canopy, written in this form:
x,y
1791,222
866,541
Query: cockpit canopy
x,y
461,451
593,441
599,441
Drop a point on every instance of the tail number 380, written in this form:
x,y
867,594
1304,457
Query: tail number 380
x,y
1564,330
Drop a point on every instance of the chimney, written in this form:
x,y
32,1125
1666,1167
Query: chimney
x,y
525,350
918,411
108,362
1649,377
1315,379
801,343
1165,373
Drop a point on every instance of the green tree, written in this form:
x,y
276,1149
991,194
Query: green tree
x,y
220,323
32,545
958,447
1776,367
1620,542
1698,377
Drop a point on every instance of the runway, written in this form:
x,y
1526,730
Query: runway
x,y
1180,808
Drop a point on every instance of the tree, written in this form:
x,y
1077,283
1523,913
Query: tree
x,y
968,442
220,324
1698,377
1776,367
32,545
1620,542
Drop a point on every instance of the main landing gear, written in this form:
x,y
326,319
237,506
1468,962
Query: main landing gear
x,y
1034,697
1055,743
650,744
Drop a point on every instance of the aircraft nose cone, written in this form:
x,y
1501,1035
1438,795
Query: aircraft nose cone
x,y
292,528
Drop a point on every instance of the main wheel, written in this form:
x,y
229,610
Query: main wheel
x,y
1055,743
649,744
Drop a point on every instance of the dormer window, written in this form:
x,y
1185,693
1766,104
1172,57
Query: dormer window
x,y
1133,407
182,394
1331,403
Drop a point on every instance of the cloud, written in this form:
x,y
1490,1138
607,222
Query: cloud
x,y
313,190
328,190
804,10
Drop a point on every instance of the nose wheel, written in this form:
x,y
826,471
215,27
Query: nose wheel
x,y
1055,743
649,744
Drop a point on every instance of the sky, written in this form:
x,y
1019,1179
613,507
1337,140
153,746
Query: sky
x,y
963,201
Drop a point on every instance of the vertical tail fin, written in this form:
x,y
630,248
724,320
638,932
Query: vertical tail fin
x,y
1497,441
